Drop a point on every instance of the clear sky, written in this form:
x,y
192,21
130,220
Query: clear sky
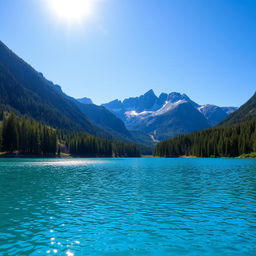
x,y
204,48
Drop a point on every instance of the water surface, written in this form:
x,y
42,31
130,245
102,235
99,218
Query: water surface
x,y
127,207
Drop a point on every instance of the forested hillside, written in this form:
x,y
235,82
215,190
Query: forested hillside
x,y
23,136
228,141
26,91
244,113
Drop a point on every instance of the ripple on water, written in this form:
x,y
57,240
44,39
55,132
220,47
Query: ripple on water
x,y
127,207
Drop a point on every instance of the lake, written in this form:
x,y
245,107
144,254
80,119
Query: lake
x,y
124,207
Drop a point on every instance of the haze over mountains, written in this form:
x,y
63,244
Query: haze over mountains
x,y
145,119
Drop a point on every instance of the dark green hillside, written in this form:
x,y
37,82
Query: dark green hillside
x,y
23,136
228,141
28,92
245,113
27,136
13,95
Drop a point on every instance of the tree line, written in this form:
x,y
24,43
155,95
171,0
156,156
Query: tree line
x,y
25,136
223,141
81,144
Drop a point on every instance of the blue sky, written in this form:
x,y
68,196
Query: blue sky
x,y
204,48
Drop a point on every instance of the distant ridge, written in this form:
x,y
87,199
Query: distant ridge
x,y
85,100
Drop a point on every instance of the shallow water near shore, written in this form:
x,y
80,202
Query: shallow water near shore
x,y
144,206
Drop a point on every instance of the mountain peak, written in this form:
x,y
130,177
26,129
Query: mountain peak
x,y
176,96
150,92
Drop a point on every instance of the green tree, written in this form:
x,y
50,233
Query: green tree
x,y
10,133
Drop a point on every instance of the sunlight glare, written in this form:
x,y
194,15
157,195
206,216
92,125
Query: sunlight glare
x,y
72,11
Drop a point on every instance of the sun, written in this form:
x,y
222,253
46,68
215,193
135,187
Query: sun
x,y
72,11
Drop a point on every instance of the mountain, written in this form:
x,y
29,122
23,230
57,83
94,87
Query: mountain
x,y
246,112
235,136
104,118
229,110
146,118
168,115
215,114
85,100
26,91
179,119
142,103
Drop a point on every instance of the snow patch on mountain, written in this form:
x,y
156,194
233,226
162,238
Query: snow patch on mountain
x,y
168,106
133,113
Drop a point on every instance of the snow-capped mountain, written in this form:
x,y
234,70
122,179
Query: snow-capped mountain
x,y
168,115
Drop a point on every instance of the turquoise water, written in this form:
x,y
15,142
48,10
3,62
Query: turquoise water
x,y
127,207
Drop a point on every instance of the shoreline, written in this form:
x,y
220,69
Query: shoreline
x,y
64,156
197,157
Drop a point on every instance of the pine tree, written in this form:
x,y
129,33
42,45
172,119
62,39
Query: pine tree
x,y
10,134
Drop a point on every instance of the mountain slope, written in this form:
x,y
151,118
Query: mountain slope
x,y
245,113
99,116
104,119
213,114
176,121
28,92
13,95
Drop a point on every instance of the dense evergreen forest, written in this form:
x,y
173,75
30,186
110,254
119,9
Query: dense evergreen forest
x,y
81,144
223,141
26,136
23,135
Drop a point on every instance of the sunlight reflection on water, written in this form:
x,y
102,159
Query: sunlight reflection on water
x,y
72,162
55,162
120,207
